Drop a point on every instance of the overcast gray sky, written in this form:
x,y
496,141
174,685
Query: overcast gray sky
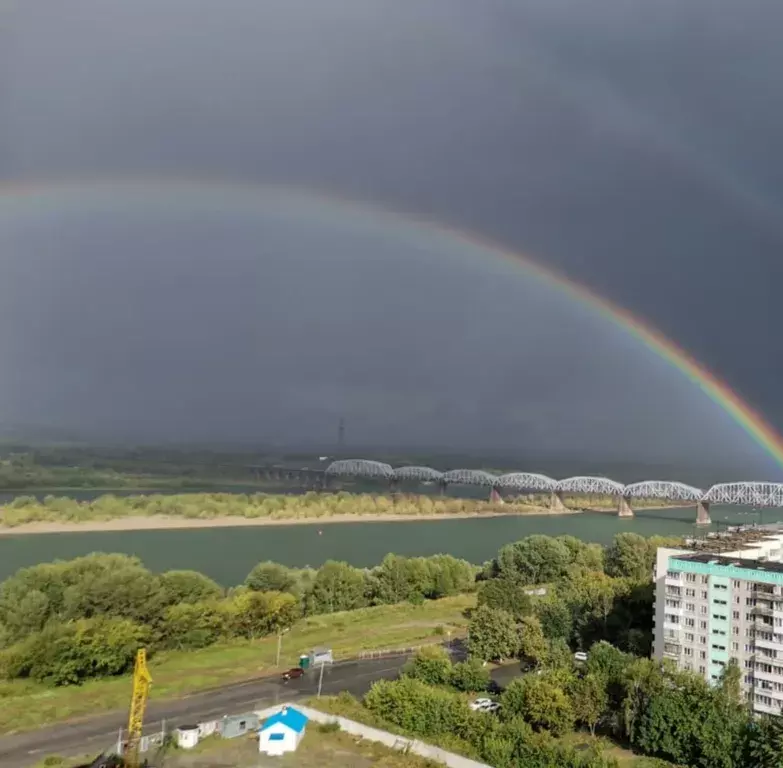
x,y
633,145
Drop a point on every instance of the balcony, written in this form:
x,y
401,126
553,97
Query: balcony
x,y
772,645
764,609
770,677
765,709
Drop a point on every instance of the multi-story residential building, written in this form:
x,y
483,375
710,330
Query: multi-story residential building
x,y
710,608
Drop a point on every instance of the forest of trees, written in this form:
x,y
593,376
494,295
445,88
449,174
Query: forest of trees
x,y
672,717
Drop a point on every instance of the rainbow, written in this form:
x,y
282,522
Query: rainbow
x,y
35,196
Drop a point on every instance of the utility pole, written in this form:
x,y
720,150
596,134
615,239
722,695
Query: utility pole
x,y
280,644
320,680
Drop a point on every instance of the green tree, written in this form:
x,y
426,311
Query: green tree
x,y
271,577
763,742
505,594
555,616
255,614
534,559
540,702
533,646
492,634
63,654
431,665
188,587
590,700
470,676
630,556
337,587
194,625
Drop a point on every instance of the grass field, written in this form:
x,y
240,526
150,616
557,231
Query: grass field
x,y
25,705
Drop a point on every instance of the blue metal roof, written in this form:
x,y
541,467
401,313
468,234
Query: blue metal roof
x,y
290,717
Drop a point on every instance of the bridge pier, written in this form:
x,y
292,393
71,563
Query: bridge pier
x,y
624,507
703,513
556,503
495,497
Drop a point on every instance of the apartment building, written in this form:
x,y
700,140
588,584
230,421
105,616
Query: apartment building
x,y
710,608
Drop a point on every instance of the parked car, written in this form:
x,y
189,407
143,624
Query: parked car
x,y
480,704
293,673
484,705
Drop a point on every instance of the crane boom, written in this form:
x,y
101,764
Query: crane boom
x,y
141,686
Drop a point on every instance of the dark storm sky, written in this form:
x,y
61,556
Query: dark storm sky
x,y
633,145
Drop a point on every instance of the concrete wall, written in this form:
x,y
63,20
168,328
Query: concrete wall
x,y
384,737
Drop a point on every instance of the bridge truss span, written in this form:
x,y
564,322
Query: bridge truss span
x,y
593,486
663,489
360,468
749,494
418,474
526,481
470,477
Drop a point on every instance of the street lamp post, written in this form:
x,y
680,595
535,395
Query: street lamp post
x,y
280,644
320,680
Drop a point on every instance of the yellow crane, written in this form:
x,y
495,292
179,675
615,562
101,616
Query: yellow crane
x,y
141,688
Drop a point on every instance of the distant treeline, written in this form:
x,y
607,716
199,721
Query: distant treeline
x,y
64,622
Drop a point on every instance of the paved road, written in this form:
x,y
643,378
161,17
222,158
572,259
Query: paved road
x,y
91,736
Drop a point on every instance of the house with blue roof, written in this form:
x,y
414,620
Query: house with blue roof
x,y
282,732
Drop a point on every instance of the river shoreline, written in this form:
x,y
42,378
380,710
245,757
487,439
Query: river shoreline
x,y
162,523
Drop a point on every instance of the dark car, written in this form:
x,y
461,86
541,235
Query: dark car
x,y
293,673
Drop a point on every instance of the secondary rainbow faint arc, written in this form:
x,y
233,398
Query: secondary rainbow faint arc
x,y
752,422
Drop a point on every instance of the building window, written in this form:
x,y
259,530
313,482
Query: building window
x,y
690,622
688,637
737,599
718,617
702,654
702,625
736,615
689,651
690,593
702,670
737,584
673,574
735,630
735,646
690,577
690,607
702,639
702,609
705,580
704,594
719,602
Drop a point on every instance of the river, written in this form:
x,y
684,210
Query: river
x,y
227,554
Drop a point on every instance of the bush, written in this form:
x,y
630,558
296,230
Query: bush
x,y
470,676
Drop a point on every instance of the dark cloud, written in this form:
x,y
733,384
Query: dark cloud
x,y
634,146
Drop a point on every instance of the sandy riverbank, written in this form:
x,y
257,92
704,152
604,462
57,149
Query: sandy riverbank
x,y
161,523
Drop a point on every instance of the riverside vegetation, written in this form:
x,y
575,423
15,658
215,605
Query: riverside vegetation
x,y
260,506
73,623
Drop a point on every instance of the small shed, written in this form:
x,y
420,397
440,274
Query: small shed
x,y
238,725
282,732
187,736
319,656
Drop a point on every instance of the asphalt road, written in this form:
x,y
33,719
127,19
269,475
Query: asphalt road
x,y
93,735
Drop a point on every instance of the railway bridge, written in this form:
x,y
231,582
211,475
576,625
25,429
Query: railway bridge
x,y
748,493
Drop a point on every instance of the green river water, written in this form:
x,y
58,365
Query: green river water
x,y
227,554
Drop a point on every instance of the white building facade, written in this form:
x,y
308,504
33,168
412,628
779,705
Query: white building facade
x,y
710,608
